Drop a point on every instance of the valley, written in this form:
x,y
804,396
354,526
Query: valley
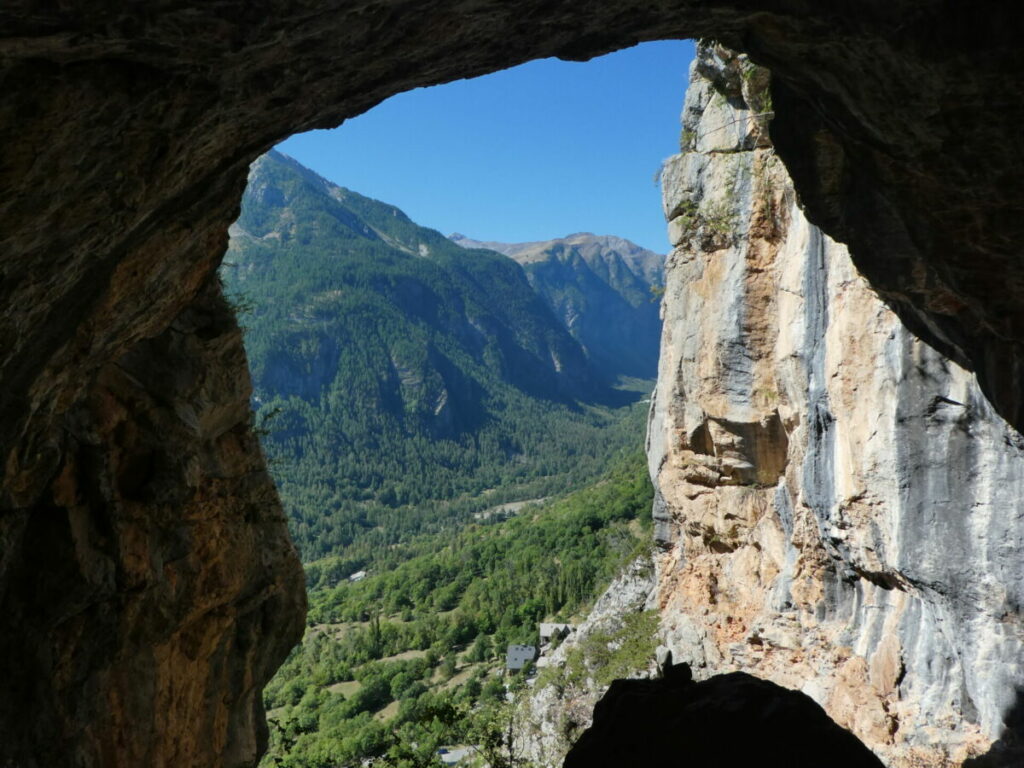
x,y
455,429
409,660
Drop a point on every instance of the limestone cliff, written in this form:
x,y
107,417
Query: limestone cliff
x,y
839,507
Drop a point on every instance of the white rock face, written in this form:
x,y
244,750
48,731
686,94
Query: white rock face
x,y
840,509
559,711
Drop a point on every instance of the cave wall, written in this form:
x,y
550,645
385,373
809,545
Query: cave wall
x,y
125,138
839,506
151,590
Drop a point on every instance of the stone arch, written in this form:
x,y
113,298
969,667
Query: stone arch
x,y
146,582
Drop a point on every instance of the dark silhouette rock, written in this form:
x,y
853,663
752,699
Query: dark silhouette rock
x,y
125,139
1008,750
727,721
152,590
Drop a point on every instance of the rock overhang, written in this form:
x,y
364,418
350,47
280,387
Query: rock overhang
x,y
126,138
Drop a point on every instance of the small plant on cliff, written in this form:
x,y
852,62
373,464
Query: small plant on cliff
x,y
758,88
498,730
765,397
660,171
607,656
687,213
239,302
720,218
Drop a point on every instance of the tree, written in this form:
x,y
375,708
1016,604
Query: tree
x,y
448,666
481,650
497,731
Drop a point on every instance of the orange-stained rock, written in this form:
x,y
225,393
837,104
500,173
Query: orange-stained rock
x,y
840,509
154,593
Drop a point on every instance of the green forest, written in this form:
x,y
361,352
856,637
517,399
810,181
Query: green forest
x,y
413,655
401,382
406,392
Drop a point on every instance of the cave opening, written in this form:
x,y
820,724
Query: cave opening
x,y
142,627
422,398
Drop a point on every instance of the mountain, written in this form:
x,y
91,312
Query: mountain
x,y
603,288
402,381
343,267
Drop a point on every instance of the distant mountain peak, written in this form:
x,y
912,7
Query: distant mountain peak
x,y
647,265
425,315
603,287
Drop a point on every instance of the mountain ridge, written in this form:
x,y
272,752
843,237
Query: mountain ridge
x,y
604,288
401,380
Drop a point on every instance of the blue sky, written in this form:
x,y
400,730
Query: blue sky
x,y
530,153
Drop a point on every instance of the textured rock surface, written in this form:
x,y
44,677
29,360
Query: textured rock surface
x,y
896,117
839,506
600,286
126,134
152,591
727,721
558,713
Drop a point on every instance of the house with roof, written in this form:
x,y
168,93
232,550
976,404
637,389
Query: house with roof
x,y
455,755
550,632
518,656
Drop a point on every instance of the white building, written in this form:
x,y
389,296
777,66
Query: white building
x,y
455,755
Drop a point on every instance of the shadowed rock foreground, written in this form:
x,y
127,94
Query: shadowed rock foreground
x,y
147,586
726,721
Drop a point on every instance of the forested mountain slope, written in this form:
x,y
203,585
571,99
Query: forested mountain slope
x,y
402,381
407,661
605,290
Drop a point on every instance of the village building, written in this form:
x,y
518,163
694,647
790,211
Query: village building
x,y
550,632
455,755
518,656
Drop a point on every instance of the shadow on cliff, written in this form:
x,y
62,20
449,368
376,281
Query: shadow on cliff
x,y
727,721
1008,751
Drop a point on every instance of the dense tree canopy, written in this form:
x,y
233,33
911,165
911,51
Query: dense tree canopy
x,y
403,382
406,390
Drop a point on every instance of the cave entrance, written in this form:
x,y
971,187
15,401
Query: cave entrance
x,y
146,123
455,424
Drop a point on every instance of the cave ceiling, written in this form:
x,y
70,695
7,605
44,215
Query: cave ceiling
x,y
126,132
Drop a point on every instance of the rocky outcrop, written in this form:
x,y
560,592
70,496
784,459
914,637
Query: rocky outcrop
x,y
561,705
152,591
126,135
727,721
838,504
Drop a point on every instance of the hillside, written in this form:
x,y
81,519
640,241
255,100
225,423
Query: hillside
x,y
605,291
403,382
404,662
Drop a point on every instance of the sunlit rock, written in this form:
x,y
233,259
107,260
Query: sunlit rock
x,y
839,504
